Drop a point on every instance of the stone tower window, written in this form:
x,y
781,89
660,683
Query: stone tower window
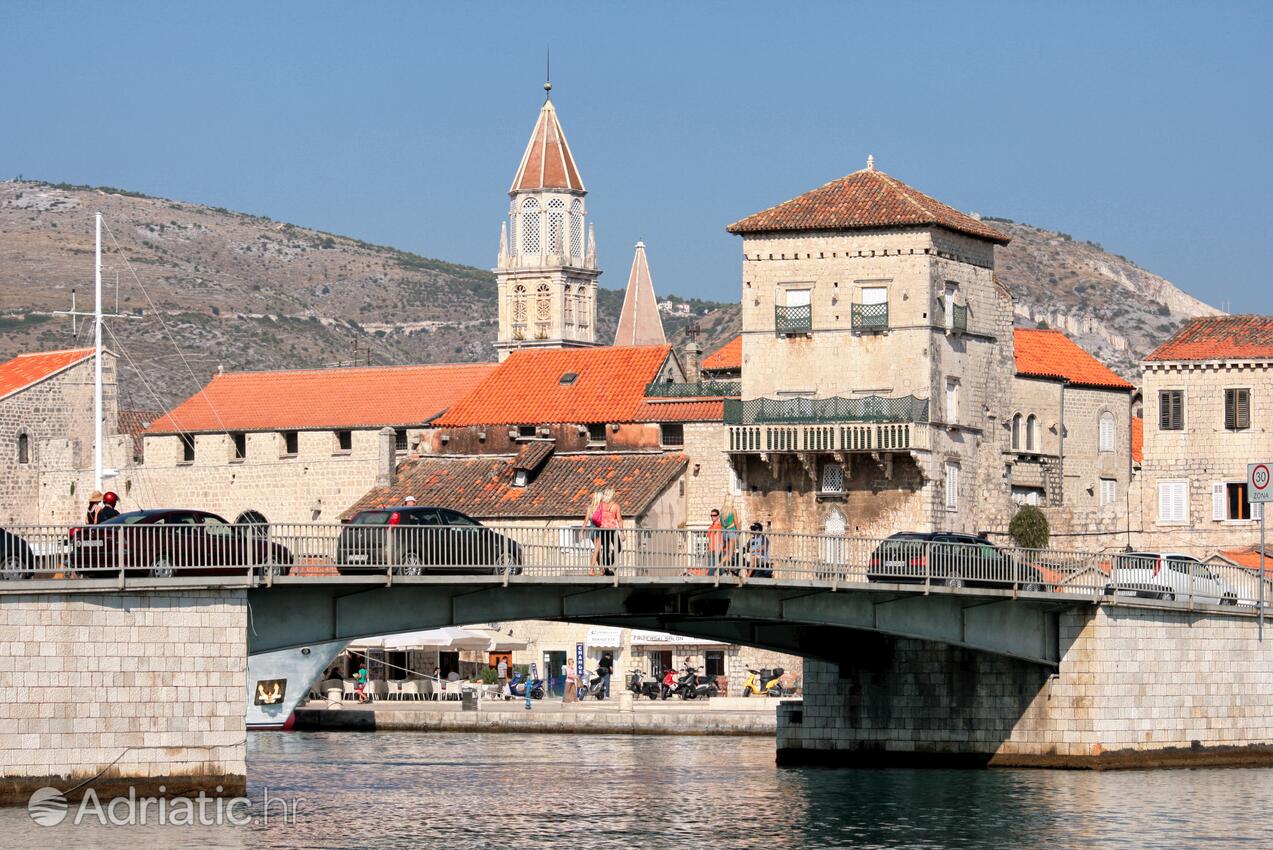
x,y
24,448
556,226
530,226
568,304
1031,432
519,303
581,307
1106,432
543,303
1016,432
576,228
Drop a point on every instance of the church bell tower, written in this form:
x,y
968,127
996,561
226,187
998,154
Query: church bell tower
x,y
547,270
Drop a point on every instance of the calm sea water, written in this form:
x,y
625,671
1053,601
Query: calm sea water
x,y
496,790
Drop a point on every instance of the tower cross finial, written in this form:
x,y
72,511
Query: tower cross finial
x,y
870,162
548,73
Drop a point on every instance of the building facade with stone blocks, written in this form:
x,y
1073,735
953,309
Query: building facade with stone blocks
x,y
873,337
1208,402
46,422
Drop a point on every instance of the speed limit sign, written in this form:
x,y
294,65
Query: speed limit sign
x,y
1259,482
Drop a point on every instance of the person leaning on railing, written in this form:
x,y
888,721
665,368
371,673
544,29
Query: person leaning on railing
x,y
757,556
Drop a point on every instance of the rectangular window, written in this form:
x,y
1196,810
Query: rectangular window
x,y
948,303
952,487
714,662
344,441
1171,410
1237,409
1109,491
238,446
735,481
1173,501
1229,501
1105,436
187,448
798,297
673,433
291,442
596,433
832,478
400,439
952,401
872,313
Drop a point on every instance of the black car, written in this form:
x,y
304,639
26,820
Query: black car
x,y
951,559
16,559
416,540
167,542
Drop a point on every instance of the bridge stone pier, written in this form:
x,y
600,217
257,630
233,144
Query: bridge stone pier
x,y
1135,687
143,688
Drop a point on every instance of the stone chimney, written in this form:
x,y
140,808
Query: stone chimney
x,y
387,458
693,354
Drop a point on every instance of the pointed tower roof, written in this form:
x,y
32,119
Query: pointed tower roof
x,y
547,163
639,323
861,200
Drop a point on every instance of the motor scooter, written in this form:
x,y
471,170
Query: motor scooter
x,y
693,686
520,682
595,687
640,686
667,686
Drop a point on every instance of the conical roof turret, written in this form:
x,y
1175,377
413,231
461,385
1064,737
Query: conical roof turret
x,y
547,162
640,323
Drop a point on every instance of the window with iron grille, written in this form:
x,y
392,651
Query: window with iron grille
x,y
400,439
596,432
832,478
1171,410
530,226
556,226
1237,409
576,228
673,433
543,302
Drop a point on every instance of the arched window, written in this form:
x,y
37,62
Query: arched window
x,y
1106,432
582,313
530,226
1031,432
24,448
543,303
576,228
1016,432
567,306
519,304
556,226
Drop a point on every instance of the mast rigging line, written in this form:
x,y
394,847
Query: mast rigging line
x,y
164,325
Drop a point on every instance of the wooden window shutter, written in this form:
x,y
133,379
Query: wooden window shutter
x,y
1217,501
1230,410
1243,408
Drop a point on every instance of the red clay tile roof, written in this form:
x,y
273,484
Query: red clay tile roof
x,y
682,410
547,162
728,357
527,388
1220,338
27,369
1249,558
323,398
534,453
1051,354
482,487
864,199
1138,439
135,422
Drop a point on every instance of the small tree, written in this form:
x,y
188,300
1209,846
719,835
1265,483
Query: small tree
x,y
1029,528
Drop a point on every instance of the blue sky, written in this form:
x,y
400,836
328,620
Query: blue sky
x,y
1145,127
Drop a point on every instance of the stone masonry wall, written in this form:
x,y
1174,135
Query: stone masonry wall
x,y
1136,687
148,687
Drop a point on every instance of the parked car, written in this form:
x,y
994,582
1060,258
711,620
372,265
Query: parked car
x,y
16,558
949,558
415,540
1168,575
170,542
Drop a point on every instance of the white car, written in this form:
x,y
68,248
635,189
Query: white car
x,y
1168,575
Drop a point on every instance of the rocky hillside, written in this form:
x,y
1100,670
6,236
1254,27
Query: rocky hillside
x,y
1110,305
245,292
236,291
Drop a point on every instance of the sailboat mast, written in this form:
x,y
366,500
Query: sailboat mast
x,y
97,362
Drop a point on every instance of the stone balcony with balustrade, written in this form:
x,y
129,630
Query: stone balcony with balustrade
x,y
801,425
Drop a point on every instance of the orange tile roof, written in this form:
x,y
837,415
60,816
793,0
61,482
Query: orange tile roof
x,y
682,410
27,369
527,388
1249,558
547,162
323,398
728,357
1220,337
482,486
1138,439
1051,354
865,199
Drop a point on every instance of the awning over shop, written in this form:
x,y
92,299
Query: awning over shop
x,y
604,638
447,638
641,637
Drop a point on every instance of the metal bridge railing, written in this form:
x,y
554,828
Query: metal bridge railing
x,y
324,551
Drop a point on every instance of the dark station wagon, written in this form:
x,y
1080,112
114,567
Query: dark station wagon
x,y
416,540
951,559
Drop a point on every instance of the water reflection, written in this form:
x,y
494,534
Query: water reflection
x,y
462,791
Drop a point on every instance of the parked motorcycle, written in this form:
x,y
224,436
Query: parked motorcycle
x,y
765,682
595,687
520,682
640,686
667,685
693,686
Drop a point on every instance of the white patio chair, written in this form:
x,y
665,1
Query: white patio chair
x,y
409,691
454,691
379,690
349,689
393,689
